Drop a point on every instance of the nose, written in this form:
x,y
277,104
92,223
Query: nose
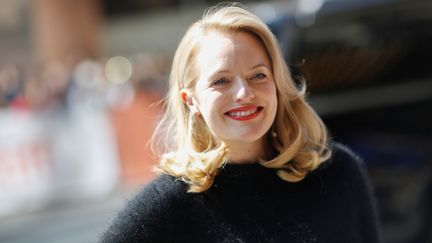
x,y
244,93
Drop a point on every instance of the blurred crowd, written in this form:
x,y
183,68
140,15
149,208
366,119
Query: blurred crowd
x,y
76,132
57,83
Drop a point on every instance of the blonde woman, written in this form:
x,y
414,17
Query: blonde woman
x,y
244,157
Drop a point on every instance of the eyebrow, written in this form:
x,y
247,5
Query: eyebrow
x,y
259,65
251,68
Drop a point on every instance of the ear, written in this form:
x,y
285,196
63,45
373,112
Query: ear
x,y
187,99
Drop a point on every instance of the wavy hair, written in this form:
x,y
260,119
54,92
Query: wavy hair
x,y
187,148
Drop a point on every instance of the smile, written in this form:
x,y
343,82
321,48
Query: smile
x,y
244,113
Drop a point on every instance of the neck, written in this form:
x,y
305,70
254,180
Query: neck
x,y
248,152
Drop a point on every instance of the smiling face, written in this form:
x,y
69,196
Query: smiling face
x,y
235,92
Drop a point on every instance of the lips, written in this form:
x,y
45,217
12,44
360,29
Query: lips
x,y
244,113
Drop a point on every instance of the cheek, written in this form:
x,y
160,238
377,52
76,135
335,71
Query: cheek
x,y
269,91
210,105
271,95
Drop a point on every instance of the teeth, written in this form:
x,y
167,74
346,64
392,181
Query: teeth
x,y
242,113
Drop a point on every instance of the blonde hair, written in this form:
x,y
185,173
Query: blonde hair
x,y
189,150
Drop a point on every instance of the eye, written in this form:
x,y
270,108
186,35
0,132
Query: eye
x,y
259,76
220,82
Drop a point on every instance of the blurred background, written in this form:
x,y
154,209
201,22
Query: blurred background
x,y
80,81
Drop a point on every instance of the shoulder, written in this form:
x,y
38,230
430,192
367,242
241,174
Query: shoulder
x,y
343,159
164,187
158,196
344,168
343,152
346,176
144,215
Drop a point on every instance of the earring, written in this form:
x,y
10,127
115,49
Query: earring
x,y
273,133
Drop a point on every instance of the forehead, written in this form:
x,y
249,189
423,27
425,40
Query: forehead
x,y
229,49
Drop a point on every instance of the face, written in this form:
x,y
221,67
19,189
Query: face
x,y
235,92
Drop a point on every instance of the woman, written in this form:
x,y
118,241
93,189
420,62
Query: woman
x,y
246,158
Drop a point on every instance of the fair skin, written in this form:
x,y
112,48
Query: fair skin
x,y
235,93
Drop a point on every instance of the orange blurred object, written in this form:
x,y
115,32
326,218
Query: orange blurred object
x,y
134,126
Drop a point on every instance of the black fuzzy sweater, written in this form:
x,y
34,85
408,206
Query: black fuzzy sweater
x,y
249,203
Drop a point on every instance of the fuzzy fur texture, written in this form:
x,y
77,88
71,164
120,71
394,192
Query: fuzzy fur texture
x,y
249,203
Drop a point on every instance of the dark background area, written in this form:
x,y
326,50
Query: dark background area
x,y
368,66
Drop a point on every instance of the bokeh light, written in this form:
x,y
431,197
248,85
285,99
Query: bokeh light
x,y
118,69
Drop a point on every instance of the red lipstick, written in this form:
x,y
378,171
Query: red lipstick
x,y
244,113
